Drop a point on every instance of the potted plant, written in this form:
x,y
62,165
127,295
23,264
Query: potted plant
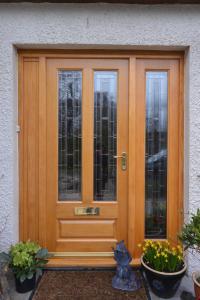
x,y
164,267
190,237
25,259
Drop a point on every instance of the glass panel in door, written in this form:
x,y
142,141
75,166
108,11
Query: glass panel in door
x,y
105,135
156,154
69,147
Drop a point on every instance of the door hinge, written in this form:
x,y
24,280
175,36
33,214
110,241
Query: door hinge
x,y
18,128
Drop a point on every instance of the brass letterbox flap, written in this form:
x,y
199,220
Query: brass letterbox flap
x,y
86,211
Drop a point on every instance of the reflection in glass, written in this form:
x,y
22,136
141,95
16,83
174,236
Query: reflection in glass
x,y
156,154
69,148
105,135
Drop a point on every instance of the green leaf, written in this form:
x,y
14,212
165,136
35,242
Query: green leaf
x,y
22,278
4,257
30,275
25,258
190,234
42,253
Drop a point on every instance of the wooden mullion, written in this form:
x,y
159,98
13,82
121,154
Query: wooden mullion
x,y
22,211
173,153
131,158
140,113
87,136
181,143
42,151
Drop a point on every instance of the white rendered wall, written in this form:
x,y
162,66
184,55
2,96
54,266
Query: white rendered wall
x,y
94,26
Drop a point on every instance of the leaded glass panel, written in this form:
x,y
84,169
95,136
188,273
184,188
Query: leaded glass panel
x,y
69,147
105,135
156,154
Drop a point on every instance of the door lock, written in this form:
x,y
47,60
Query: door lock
x,y
123,160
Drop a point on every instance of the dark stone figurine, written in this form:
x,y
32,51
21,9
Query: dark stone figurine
x,y
125,278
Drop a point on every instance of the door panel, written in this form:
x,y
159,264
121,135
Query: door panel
x,y
89,87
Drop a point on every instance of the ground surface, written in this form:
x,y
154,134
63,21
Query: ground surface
x,y
185,291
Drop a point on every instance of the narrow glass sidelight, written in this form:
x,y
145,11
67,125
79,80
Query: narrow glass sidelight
x,y
69,146
105,135
156,154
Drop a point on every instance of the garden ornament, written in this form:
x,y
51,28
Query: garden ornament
x,y
125,278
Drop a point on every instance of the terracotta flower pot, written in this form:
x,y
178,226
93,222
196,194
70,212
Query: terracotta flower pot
x,y
195,277
163,285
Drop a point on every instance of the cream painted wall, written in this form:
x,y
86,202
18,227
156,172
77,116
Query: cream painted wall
x,y
94,26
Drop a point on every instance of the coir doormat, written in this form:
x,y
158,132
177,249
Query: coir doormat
x,y
84,285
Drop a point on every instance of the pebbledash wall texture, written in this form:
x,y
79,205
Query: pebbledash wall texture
x,y
94,26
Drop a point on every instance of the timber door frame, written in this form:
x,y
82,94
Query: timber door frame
x,y
32,222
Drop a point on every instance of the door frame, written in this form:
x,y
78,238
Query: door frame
x,y
39,58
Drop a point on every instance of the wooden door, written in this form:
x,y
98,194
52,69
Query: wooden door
x,y
79,110
87,128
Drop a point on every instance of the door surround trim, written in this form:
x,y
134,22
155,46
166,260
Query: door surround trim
x,y
40,56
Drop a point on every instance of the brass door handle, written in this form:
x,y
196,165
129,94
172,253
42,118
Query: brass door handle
x,y
123,161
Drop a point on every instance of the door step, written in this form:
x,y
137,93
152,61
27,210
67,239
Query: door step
x,y
85,262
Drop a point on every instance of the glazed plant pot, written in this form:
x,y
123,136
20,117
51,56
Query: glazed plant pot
x,y
163,285
195,277
26,286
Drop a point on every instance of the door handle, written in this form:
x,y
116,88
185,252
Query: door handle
x,y
123,160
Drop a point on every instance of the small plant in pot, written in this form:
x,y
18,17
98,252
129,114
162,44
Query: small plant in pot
x,y
25,259
190,237
164,267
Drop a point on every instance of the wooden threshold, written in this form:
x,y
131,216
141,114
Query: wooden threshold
x,y
85,262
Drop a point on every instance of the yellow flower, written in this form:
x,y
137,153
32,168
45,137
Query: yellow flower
x,y
180,249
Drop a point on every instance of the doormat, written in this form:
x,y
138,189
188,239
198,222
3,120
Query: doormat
x,y
84,285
